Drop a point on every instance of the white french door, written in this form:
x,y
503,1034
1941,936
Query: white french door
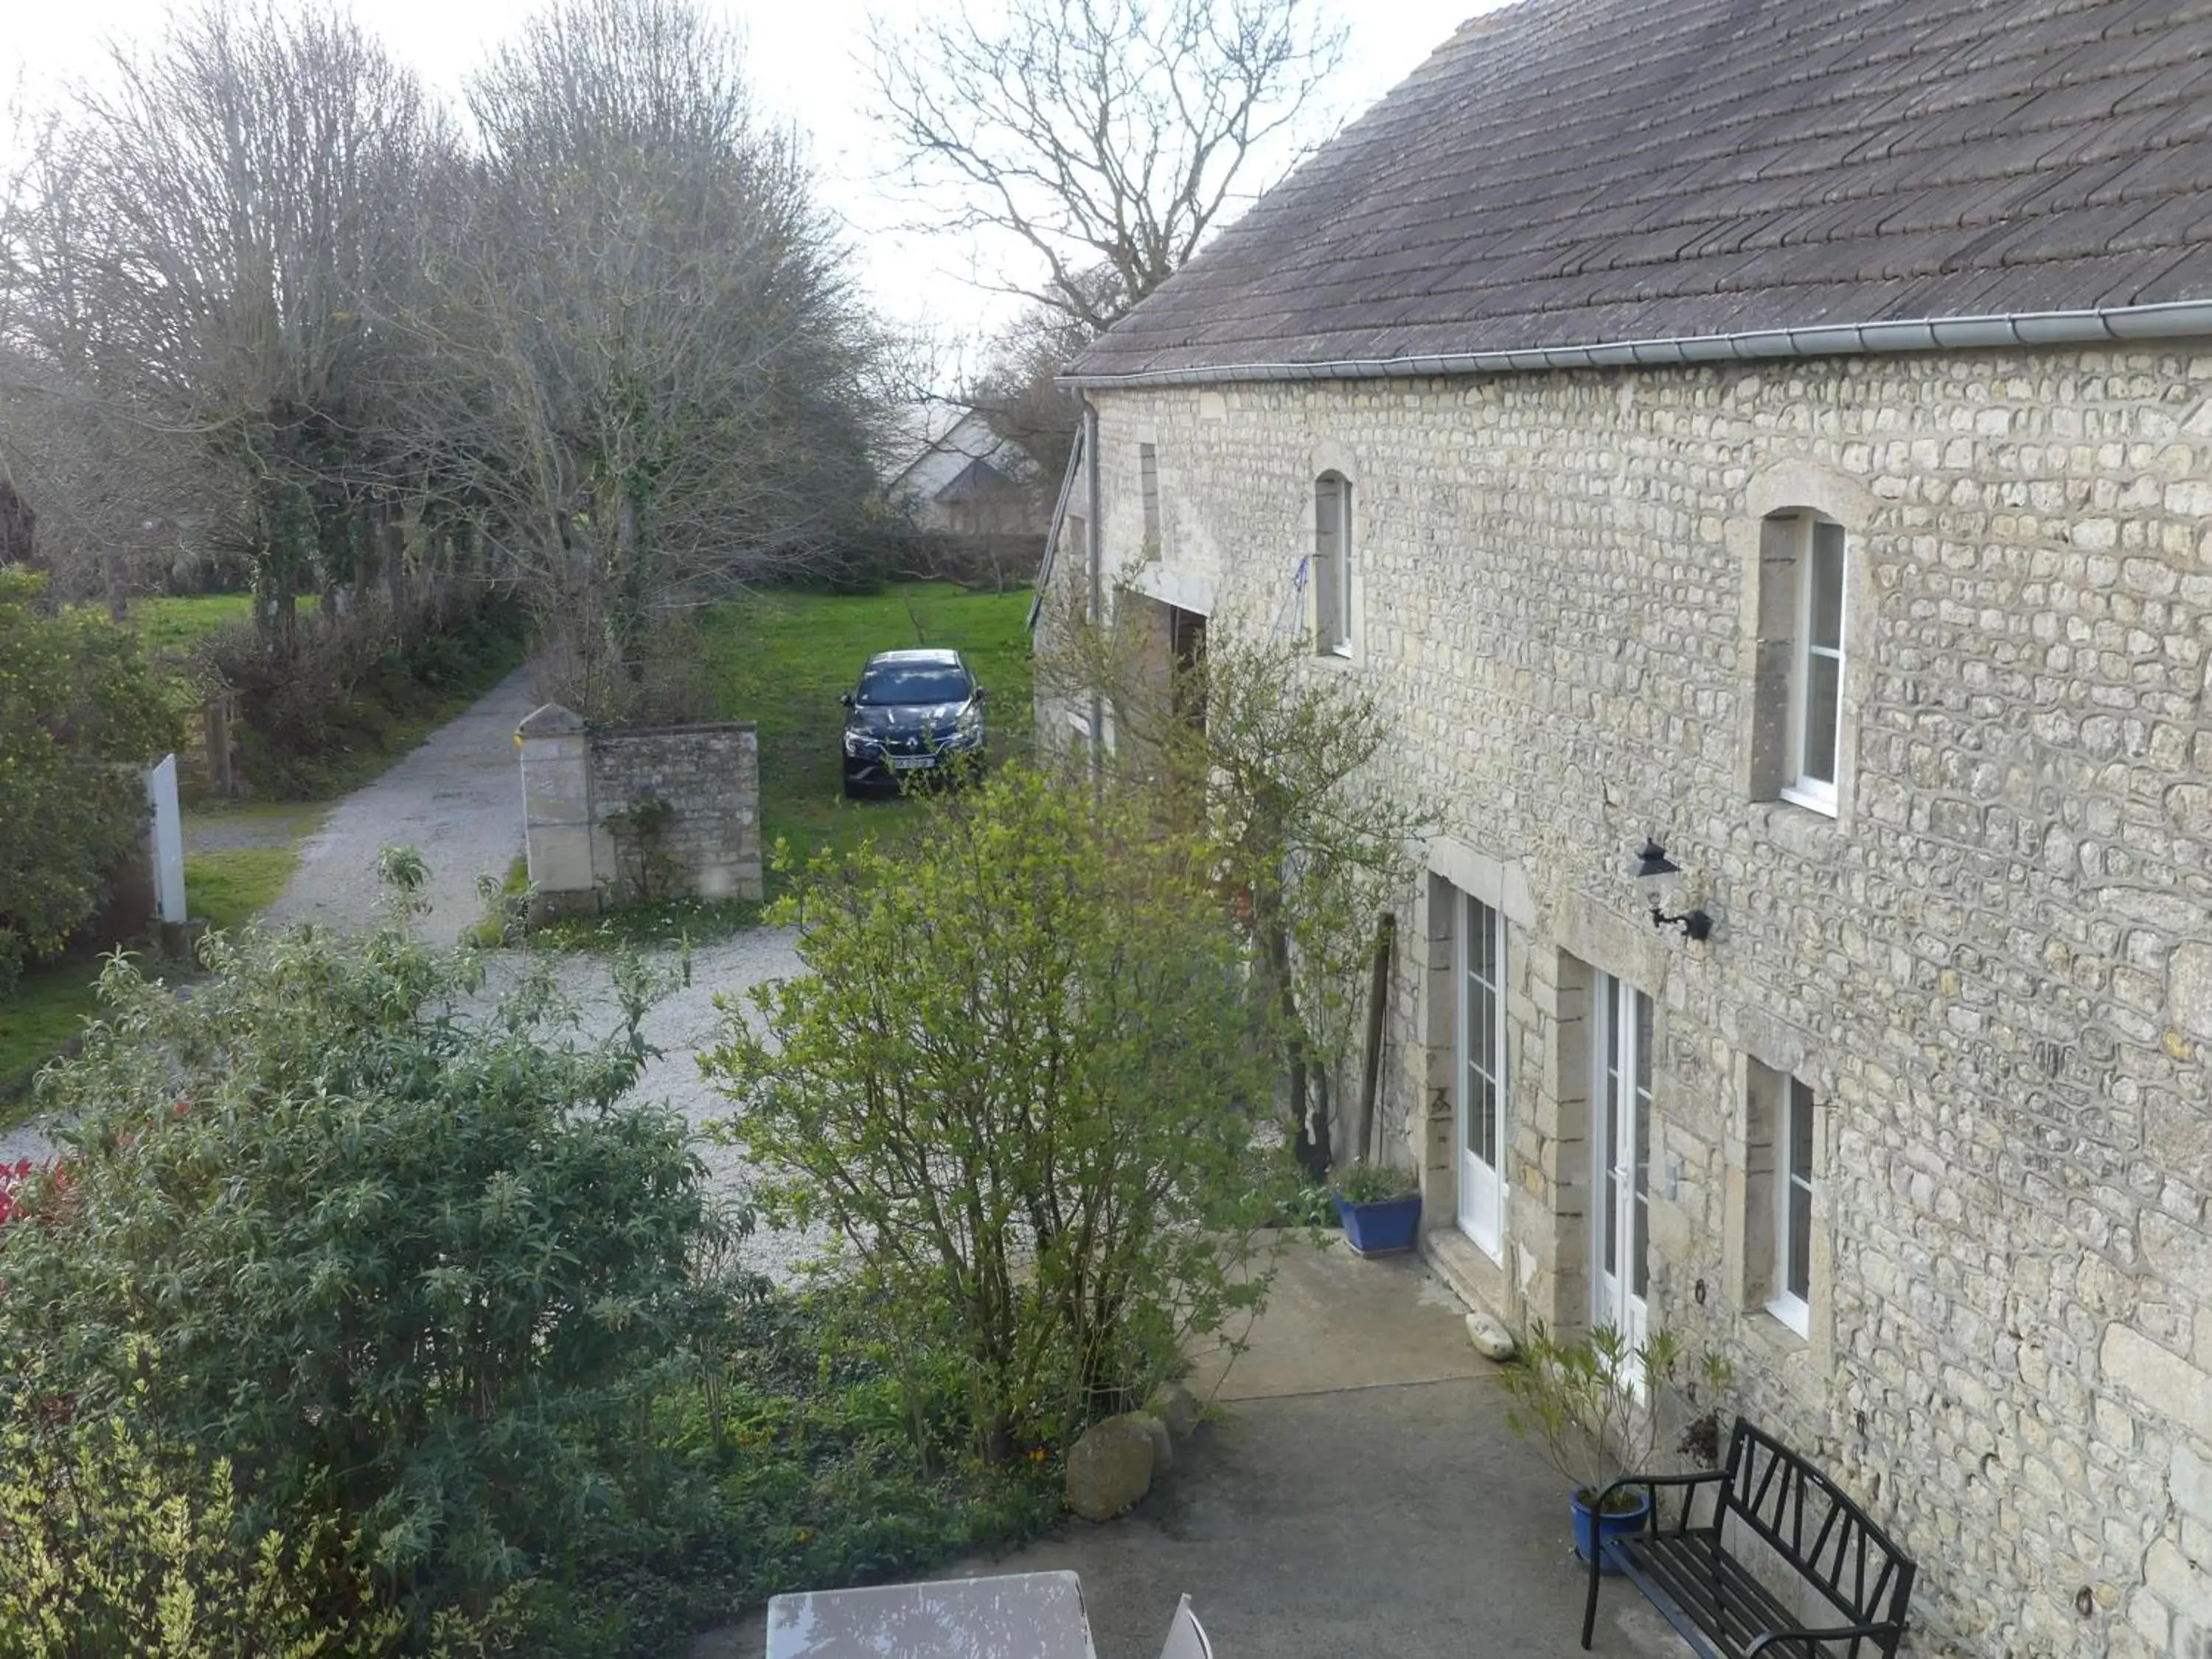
x,y
1479,973
1621,1107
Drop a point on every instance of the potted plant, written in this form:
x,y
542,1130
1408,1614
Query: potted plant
x,y
1379,1207
1587,1406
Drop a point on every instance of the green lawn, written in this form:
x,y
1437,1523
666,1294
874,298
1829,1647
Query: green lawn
x,y
177,624
44,1011
234,886
781,659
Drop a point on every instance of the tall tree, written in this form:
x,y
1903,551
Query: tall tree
x,y
106,485
240,212
662,365
1016,390
1106,136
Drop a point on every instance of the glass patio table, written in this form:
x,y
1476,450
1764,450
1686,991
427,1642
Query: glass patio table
x,y
1021,1615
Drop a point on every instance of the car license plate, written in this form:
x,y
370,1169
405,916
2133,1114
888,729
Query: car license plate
x,y
910,763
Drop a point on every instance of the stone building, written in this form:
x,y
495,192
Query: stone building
x,y
1780,430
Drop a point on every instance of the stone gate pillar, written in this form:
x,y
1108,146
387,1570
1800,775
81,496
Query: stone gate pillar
x,y
556,809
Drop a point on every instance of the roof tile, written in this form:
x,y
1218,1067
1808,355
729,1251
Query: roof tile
x,y
1572,171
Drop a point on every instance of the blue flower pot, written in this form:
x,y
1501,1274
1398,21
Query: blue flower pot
x,y
1389,1228
1592,1530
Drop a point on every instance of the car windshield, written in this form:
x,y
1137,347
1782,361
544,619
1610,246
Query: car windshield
x,y
893,683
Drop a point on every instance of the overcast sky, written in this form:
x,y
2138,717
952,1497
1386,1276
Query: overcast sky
x,y
806,66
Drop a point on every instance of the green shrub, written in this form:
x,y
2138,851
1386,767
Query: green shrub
x,y
792,1465
315,705
79,712
1590,1405
119,1544
419,1270
1025,1089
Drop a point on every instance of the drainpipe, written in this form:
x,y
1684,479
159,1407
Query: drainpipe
x,y
1094,532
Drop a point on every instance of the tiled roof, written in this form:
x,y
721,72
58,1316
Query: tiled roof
x,y
1571,172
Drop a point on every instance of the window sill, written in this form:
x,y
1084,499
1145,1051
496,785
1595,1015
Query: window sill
x,y
1806,831
1824,805
1794,1316
1776,1344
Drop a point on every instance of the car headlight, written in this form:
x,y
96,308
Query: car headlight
x,y
860,743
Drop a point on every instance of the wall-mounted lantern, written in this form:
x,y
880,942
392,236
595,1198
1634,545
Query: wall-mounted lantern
x,y
1655,868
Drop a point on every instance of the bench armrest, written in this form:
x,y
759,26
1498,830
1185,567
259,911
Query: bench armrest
x,y
1840,1633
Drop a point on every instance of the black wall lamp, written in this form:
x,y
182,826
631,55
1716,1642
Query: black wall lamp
x,y
1652,864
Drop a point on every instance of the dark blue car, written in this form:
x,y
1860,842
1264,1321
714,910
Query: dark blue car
x,y
914,712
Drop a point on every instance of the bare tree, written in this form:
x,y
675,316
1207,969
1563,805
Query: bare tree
x,y
647,361
215,236
1108,136
1016,391
97,493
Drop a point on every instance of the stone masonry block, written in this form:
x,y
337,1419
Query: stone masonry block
x,y
2162,1380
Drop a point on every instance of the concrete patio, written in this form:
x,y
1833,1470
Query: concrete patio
x,y
1357,1492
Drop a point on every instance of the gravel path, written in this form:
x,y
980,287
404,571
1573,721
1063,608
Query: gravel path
x,y
457,800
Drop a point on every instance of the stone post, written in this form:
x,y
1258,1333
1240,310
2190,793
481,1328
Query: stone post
x,y
556,809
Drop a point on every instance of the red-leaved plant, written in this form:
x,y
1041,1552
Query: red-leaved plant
x,y
13,1177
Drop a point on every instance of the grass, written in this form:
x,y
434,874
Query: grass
x,y
176,625
40,1018
781,659
233,886
270,822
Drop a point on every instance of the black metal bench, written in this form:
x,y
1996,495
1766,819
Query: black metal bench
x,y
1692,1576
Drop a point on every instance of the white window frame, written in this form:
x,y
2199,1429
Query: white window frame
x,y
1624,1089
1481,1052
1332,567
1819,794
1794,1103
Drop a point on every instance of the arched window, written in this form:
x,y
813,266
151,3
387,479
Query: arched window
x,y
1332,564
1801,558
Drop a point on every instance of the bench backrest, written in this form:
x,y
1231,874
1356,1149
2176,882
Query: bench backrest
x,y
1799,1512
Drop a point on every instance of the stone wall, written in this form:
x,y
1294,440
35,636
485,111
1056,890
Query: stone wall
x,y
622,817
1993,965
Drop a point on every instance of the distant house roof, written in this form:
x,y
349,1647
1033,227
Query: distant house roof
x,y
946,442
977,481
1603,180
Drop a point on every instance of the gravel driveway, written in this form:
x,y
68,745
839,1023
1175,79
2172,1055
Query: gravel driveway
x,y
457,800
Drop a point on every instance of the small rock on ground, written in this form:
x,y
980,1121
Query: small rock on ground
x,y
1492,1339
1109,1469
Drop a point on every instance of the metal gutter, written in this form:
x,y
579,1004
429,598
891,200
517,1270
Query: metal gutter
x,y
2176,319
